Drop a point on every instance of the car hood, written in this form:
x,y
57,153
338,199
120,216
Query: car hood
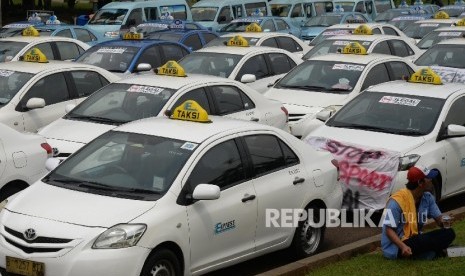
x,y
53,203
399,143
74,131
102,29
305,98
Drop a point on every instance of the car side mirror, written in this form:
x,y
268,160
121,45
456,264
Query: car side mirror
x,y
455,130
323,115
34,103
52,163
248,78
141,67
206,192
69,107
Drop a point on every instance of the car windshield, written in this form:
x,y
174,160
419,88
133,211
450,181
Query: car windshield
x,y
346,6
204,13
122,164
9,49
419,30
10,83
388,15
119,103
331,46
281,10
434,37
391,113
329,33
323,76
402,23
238,26
323,21
112,58
214,64
443,55
108,17
453,11
169,36
222,40
9,32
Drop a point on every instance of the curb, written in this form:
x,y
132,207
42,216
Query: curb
x,y
345,252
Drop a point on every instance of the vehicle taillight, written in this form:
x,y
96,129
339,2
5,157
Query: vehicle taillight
x,y
285,112
47,148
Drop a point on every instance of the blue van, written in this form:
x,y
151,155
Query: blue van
x,y
117,17
371,8
299,11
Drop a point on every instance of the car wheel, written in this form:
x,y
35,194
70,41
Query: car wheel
x,y
308,238
162,262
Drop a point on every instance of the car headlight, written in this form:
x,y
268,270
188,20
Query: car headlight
x,y
408,161
120,236
112,34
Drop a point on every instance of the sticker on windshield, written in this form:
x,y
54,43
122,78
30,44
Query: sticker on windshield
x,y
189,146
449,34
341,42
253,40
145,89
366,43
6,73
111,50
338,32
429,25
399,100
247,20
17,25
348,67
155,25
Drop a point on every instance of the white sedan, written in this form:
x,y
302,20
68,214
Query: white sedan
x,y
152,95
164,196
22,160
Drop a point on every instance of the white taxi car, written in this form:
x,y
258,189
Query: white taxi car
x,y
421,28
164,196
441,34
447,53
325,83
255,66
53,47
35,92
284,41
145,96
424,122
22,160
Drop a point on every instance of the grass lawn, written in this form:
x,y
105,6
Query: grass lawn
x,y
375,264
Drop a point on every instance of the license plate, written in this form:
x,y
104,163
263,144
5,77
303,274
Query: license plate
x,y
24,267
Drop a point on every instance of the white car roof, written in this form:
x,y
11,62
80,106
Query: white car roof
x,y
29,39
453,41
360,59
35,67
402,87
240,50
450,20
189,131
355,25
451,28
370,38
256,34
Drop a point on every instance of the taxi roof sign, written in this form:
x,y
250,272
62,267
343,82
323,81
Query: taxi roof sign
x,y
190,111
171,68
133,35
441,15
363,30
461,22
425,75
354,48
35,55
253,27
30,31
238,41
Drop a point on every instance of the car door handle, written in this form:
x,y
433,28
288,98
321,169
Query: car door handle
x,y
254,119
248,198
298,180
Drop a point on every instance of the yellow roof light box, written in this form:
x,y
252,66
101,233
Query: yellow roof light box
x,y
190,111
363,30
171,68
441,15
354,48
427,76
30,31
238,41
253,27
35,55
133,35
461,22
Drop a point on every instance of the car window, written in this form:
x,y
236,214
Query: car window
x,y
297,11
134,18
225,15
289,44
376,31
229,99
151,13
456,114
281,25
84,35
252,8
280,63
382,48
390,31
68,50
151,56
256,66
270,42
268,26
172,52
65,33
221,165
53,89
46,49
401,49
377,75
208,37
193,41
399,70
87,82
199,95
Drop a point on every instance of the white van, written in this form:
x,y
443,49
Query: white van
x,y
120,16
214,14
371,8
299,11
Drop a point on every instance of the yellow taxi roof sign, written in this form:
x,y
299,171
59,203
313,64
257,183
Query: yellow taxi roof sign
x,y
363,30
30,31
425,75
171,68
35,55
133,34
253,27
190,111
441,15
238,41
354,48
461,22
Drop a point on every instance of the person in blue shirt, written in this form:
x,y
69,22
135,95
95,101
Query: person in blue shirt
x,y
405,214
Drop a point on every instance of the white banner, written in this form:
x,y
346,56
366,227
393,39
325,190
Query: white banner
x,y
449,74
366,174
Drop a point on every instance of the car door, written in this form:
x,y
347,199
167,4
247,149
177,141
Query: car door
x,y
454,149
278,176
2,161
231,101
297,15
68,50
150,55
257,66
399,70
54,90
85,83
224,228
400,48
268,26
375,75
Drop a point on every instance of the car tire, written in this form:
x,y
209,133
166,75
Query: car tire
x,y
162,262
308,239
10,190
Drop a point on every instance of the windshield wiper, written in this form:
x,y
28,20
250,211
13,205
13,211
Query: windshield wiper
x,y
337,90
96,119
408,132
363,127
304,87
100,186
